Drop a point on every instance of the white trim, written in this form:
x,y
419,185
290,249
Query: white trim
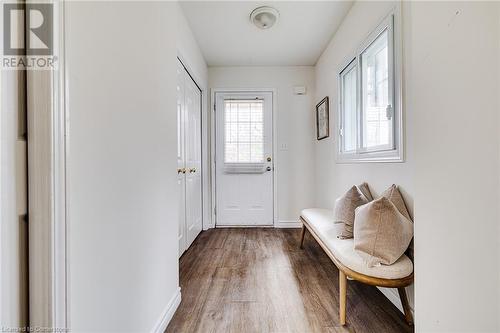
x,y
168,313
284,224
47,146
60,132
212,102
245,226
391,22
9,179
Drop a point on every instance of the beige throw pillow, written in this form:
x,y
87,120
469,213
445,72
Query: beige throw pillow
x,y
366,191
344,210
381,233
393,194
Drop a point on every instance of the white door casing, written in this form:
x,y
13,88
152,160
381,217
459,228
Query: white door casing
x,y
189,178
181,166
244,158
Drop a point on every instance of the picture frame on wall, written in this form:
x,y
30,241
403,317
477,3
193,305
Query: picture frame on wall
x,y
323,119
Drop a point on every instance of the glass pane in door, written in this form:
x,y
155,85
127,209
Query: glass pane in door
x,y
243,131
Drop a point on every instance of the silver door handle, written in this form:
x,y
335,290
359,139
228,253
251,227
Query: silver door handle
x,y
268,169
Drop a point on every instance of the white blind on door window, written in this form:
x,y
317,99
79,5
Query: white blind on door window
x,y
244,132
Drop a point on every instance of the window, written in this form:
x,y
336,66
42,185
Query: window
x,y
369,112
243,131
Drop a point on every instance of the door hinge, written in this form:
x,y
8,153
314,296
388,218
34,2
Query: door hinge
x,y
215,210
214,107
22,123
24,218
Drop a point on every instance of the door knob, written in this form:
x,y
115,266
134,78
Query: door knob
x,y
192,170
183,170
269,159
179,170
268,169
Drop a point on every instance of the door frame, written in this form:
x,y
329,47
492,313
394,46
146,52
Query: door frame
x,y
213,126
48,150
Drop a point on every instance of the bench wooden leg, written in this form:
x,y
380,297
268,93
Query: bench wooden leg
x,y
343,296
406,305
302,234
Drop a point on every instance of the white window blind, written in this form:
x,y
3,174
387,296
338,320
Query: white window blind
x,y
244,132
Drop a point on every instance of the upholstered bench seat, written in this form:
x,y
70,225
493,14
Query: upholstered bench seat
x,y
321,221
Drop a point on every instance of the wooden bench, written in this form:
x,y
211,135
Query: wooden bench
x,y
319,223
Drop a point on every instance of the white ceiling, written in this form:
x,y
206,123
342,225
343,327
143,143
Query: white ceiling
x,y
228,38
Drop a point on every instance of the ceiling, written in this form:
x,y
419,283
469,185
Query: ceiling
x,y
227,37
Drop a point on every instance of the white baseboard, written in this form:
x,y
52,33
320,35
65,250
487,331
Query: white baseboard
x,y
168,313
288,224
393,296
243,226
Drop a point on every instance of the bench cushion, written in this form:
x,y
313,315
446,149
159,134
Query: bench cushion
x,y
321,221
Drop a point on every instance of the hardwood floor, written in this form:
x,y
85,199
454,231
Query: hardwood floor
x,y
258,280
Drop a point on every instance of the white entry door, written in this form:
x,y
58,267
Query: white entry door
x,y
188,158
244,159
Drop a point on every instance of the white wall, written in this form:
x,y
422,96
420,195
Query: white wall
x,y
192,58
455,88
294,120
332,179
123,247
189,51
13,199
13,231
452,171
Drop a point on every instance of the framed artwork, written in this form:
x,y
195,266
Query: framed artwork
x,y
322,119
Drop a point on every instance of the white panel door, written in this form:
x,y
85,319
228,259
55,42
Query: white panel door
x,y
244,161
192,139
181,165
188,159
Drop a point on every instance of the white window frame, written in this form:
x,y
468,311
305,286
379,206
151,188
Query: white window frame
x,y
396,154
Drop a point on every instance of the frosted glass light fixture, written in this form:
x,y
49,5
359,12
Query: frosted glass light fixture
x,y
264,17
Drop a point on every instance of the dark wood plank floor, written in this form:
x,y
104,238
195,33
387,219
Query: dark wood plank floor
x,y
258,280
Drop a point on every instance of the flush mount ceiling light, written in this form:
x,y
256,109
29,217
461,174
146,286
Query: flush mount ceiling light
x,y
264,17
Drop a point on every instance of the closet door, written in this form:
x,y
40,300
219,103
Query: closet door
x,y
192,138
181,166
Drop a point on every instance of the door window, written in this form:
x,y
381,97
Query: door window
x,y
243,131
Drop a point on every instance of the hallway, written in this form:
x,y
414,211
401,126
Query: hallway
x,y
258,280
